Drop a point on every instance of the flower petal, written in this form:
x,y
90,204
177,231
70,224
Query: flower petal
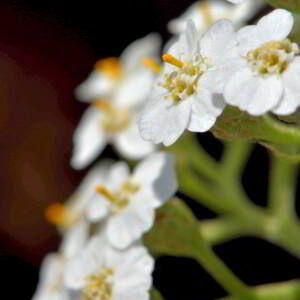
x,y
248,39
117,175
130,144
95,86
75,238
98,208
89,139
129,225
134,89
291,95
158,173
162,121
253,93
275,26
217,40
205,110
148,46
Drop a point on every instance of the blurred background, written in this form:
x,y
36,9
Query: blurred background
x,y
46,49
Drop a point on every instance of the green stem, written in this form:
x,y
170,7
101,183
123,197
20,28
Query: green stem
x,y
289,290
282,188
188,149
220,230
234,159
216,267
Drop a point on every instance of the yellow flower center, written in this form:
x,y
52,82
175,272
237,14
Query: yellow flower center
x,y
272,57
99,286
114,119
59,215
183,82
120,198
110,66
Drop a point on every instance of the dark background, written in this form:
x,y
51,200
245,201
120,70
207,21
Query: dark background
x,y
46,49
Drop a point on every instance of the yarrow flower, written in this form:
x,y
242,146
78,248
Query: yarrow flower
x,y
126,202
123,77
112,119
207,12
269,75
101,272
184,96
70,217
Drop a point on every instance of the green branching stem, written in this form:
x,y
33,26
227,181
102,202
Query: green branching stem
x,y
282,188
289,290
216,267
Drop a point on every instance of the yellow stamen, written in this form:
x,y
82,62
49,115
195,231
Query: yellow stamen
x,y
168,58
110,66
151,64
56,214
102,190
102,105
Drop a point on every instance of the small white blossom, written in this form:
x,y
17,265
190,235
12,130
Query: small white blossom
x,y
112,118
268,78
207,12
123,77
101,272
70,217
104,123
127,201
51,284
184,96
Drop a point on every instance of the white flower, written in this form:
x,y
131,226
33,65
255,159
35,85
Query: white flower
x,y
104,123
269,76
69,217
101,272
112,118
127,202
207,12
51,283
184,95
123,77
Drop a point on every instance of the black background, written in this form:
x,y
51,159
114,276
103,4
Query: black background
x,y
46,49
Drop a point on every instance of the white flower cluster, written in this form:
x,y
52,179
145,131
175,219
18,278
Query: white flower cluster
x,y
136,103
101,256
256,68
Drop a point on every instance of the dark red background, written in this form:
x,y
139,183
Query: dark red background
x,y
46,49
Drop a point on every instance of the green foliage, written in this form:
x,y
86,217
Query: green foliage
x,y
278,136
176,230
291,5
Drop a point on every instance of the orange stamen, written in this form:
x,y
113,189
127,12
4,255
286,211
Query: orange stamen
x,y
102,105
56,214
151,64
168,58
110,66
102,190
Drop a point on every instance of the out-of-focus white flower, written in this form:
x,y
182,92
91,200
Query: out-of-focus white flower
x,y
238,1
269,76
184,96
127,201
123,77
112,118
207,12
70,217
108,122
101,272
51,282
